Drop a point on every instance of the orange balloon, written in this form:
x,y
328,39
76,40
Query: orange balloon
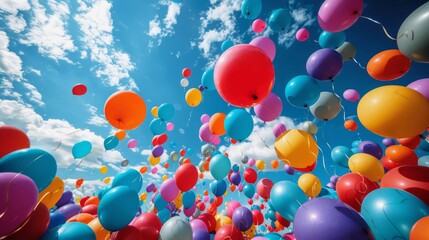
x,y
411,142
206,193
420,229
388,65
350,125
216,124
232,187
82,217
166,165
79,182
201,175
92,200
402,155
125,110
207,165
186,160
120,134
100,232
143,169
274,164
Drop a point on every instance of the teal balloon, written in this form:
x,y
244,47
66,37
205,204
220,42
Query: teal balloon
x,y
176,228
218,187
227,44
238,124
302,91
81,149
159,202
103,191
391,213
111,142
279,20
157,126
271,214
341,155
118,208
355,144
424,161
327,192
35,163
164,215
166,111
188,199
207,80
249,190
273,236
70,231
287,197
250,9
331,39
355,150
131,178
424,145
220,166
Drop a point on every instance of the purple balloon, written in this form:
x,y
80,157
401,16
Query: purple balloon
x,y
171,207
351,95
266,45
150,187
157,151
334,179
388,142
242,218
189,211
371,148
65,198
289,169
324,64
329,219
270,108
198,224
278,129
421,86
69,210
235,178
240,187
201,88
205,134
200,234
330,185
169,190
18,198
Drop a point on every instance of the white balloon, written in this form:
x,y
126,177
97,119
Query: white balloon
x,y
184,82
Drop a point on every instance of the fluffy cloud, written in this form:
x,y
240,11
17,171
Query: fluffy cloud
x,y
10,63
16,23
160,30
33,94
13,6
95,119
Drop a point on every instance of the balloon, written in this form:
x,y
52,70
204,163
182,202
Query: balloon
x,y
35,226
388,142
286,198
170,126
209,220
157,126
331,39
366,165
347,51
330,219
274,164
235,178
302,34
228,232
166,111
324,64
79,89
111,142
82,217
103,169
186,72
69,210
341,155
250,175
35,163
310,184
266,45
371,148
164,214
419,229
100,232
184,82
205,134
258,25
249,190
402,155
278,129
132,233
176,228
55,220
289,169
147,220
198,224
207,79
264,187
424,161
279,20
130,178
421,86
252,162
260,164
412,38
81,149
186,177
338,15
218,187
52,193
250,9
220,166
91,209
387,110
388,65
12,139
154,111
125,110
70,231
227,44
79,182
351,95
154,170
327,107
269,109
216,124
302,91
200,234
193,97
238,124
124,163
410,142
244,75
242,218
157,151
352,189
169,190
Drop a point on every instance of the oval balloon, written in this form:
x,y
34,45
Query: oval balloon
x,y
388,65
287,198
70,230
238,124
111,142
52,193
310,184
324,64
79,89
166,111
352,189
258,25
12,139
366,165
331,39
347,51
250,9
207,79
302,91
193,97
265,44
279,20
270,108
302,34
338,15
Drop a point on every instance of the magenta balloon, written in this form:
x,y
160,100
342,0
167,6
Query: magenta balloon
x,y
169,190
270,108
324,64
258,25
189,211
266,45
216,140
252,162
278,129
289,236
154,170
198,224
18,197
421,86
351,95
338,15
205,134
150,187
302,34
132,143
231,207
205,118
69,210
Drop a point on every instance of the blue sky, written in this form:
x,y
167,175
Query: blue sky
x,y
46,47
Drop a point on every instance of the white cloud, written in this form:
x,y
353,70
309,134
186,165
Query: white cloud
x,y
154,27
160,30
7,90
88,188
95,119
13,6
96,24
10,63
35,71
33,94
16,23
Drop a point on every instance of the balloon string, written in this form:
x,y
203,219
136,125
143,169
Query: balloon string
x,y
342,107
189,119
358,63
323,161
323,136
384,29
68,134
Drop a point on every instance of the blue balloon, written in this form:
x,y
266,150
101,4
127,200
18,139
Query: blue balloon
x,y
250,9
270,204
287,197
159,202
327,192
238,124
332,39
227,44
207,80
131,178
118,208
56,219
235,168
111,142
81,149
188,199
255,207
173,145
164,215
219,166
235,178
279,20
262,228
273,236
218,187
391,213
341,155
355,150
424,144
249,190
216,152
189,151
157,126
103,191
424,161
200,234
35,163
271,214
302,91
70,231
166,111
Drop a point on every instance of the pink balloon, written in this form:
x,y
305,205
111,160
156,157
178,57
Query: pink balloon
x,y
216,140
169,190
270,108
205,118
132,143
266,45
189,211
258,25
302,34
206,198
231,207
260,238
205,134
421,86
278,129
154,170
289,236
198,224
351,95
263,187
170,126
252,162
338,15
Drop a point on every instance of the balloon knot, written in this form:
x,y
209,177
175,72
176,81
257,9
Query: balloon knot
x,y
254,97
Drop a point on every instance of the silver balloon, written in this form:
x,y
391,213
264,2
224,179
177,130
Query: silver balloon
x,y
174,156
181,160
176,229
201,167
244,159
310,127
327,106
207,150
347,51
196,213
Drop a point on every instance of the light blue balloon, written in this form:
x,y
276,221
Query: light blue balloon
x,y
220,166
207,80
70,231
271,214
355,144
81,149
118,208
249,190
166,111
273,236
35,163
328,193
159,202
287,197
331,39
111,142
131,178
262,228
255,207
227,44
238,124
164,215
157,126
391,213
355,150
188,199
250,9
341,155
218,187
302,91
424,161
279,20
424,145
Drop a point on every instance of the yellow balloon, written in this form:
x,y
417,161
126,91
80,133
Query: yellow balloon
x,y
100,232
106,180
394,112
154,111
250,233
77,199
193,97
52,193
367,165
103,169
154,160
223,221
164,177
178,201
260,164
121,134
310,184
143,196
226,193
296,148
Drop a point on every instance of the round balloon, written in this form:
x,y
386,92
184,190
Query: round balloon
x,y
125,110
70,231
286,198
324,64
265,44
250,9
193,97
270,108
302,34
176,228
388,65
347,51
366,165
352,189
79,89
166,111
258,25
302,91
279,20
338,15
207,79
238,124
331,39
12,139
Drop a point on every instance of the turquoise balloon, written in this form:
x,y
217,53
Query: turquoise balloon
x,y
332,39
286,198
131,178
70,231
327,192
227,44
424,144
159,202
341,155
103,191
188,199
164,215
302,91
238,124
279,20
81,149
355,150
118,207
207,80
250,9
271,214
273,236
249,190
218,187
166,111
35,163
424,161
391,213
355,144
220,166
111,142
157,126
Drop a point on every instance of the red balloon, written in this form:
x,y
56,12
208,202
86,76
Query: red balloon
x,y
264,187
413,179
79,89
132,233
83,200
258,218
307,169
12,139
388,164
212,209
162,139
244,75
228,233
250,175
186,72
186,177
218,201
182,152
147,220
411,142
402,155
282,221
202,206
352,189
91,209
209,220
155,140
250,201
